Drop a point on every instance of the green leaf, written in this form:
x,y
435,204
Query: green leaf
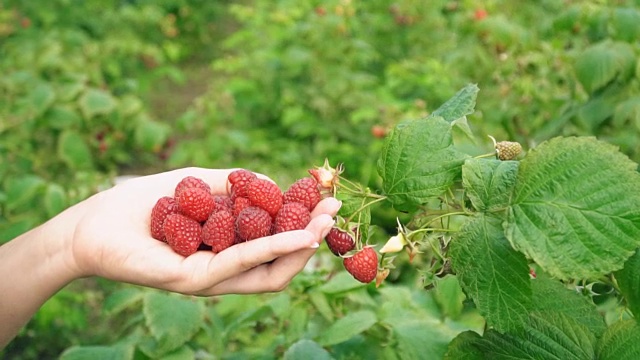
x,y
626,24
347,327
547,336
306,349
41,98
151,135
574,208
342,282
171,319
629,282
96,102
494,275
449,296
121,300
552,296
418,162
74,151
61,117
319,300
116,352
621,341
55,199
461,104
182,353
464,346
603,63
22,190
489,183
420,339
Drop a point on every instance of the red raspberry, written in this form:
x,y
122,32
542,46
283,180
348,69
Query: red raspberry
x,y
292,216
191,182
223,202
265,195
239,179
196,203
252,223
219,231
164,207
240,204
339,241
363,265
304,191
184,235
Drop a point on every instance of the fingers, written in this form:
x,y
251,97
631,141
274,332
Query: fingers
x,y
275,276
329,206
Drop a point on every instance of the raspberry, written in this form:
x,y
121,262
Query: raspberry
x,y
240,204
304,191
223,202
327,176
163,208
184,235
265,195
219,231
508,150
252,223
239,179
292,216
191,182
363,266
339,241
196,203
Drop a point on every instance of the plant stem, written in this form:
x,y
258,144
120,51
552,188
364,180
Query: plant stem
x,y
485,155
364,206
446,215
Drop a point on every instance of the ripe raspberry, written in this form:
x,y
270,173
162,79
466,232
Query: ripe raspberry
x,y
239,179
223,202
184,235
191,182
292,216
363,265
304,191
219,231
508,150
196,203
339,241
164,207
239,204
252,223
265,195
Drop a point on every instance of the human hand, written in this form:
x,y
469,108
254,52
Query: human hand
x,y
112,240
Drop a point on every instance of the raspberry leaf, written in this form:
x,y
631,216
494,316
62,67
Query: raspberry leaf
x,y
629,282
621,341
347,327
172,319
489,183
461,104
492,273
418,162
306,349
574,208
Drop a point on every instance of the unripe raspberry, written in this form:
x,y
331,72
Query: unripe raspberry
x,y
508,150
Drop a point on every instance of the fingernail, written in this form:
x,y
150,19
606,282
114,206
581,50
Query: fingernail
x,y
315,245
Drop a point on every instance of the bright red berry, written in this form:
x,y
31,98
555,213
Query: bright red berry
x,y
164,207
223,202
252,223
265,195
196,203
363,265
219,231
292,216
339,241
191,182
183,234
239,204
239,179
304,191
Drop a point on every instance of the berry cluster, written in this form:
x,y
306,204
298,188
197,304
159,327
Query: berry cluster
x,y
195,219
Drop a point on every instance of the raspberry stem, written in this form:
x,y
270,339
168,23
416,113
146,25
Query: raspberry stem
x,y
364,206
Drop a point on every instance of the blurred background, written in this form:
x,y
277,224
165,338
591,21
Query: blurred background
x,y
91,90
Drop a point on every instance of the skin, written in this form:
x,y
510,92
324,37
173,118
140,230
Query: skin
x,y
108,235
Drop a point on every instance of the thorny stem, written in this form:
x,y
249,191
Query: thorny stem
x,y
446,215
485,155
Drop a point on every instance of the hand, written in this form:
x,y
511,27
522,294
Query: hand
x,y
112,240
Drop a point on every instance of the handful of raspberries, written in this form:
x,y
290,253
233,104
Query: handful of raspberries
x,y
195,219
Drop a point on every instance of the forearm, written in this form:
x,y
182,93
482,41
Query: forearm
x,y
34,266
